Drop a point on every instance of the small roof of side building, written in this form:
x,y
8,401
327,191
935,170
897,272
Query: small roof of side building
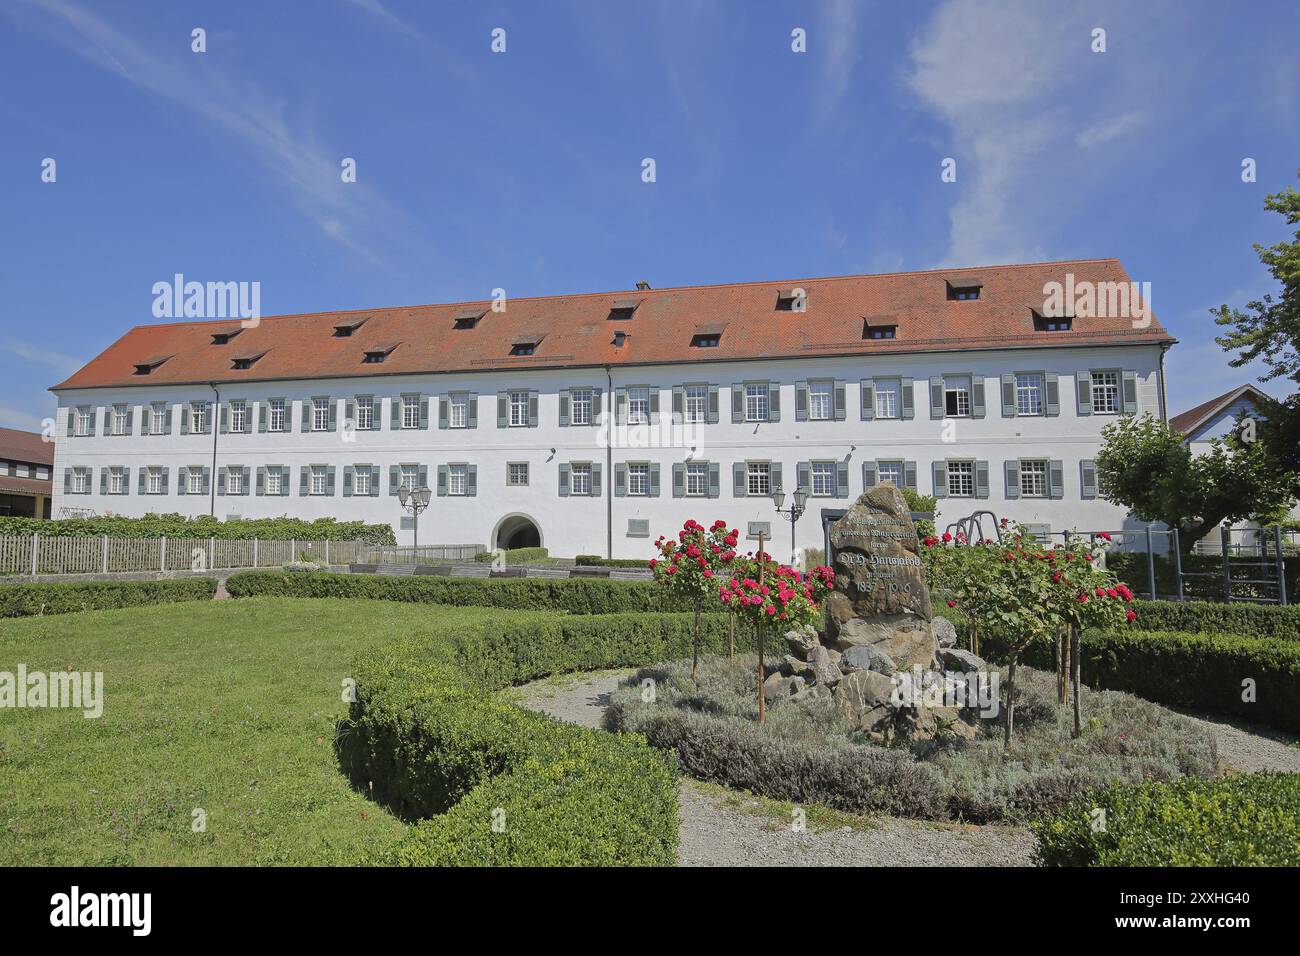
x,y
16,445
1193,420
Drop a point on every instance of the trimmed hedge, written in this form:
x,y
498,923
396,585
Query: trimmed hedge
x,y
1246,820
29,600
203,526
428,734
1197,671
514,555
572,595
1201,617
596,561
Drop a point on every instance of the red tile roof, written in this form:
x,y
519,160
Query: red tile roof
x,y
18,445
1193,418
26,486
577,329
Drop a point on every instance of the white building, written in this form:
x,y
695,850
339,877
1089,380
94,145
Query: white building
x,y
594,423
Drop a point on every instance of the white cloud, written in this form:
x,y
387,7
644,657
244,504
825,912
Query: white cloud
x,y
1109,129
838,36
24,418
65,365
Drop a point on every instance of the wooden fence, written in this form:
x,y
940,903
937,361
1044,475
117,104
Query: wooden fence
x,y
100,554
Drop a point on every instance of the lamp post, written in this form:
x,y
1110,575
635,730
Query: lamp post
x,y
791,514
414,501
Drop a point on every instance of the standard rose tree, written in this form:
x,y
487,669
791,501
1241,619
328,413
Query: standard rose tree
x,y
692,565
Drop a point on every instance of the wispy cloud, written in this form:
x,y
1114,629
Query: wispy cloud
x,y
1110,128
26,418
353,214
838,33
64,365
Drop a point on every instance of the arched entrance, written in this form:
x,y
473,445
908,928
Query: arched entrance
x,y
516,531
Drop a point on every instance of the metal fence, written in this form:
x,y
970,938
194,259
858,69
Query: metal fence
x,y
101,554
419,554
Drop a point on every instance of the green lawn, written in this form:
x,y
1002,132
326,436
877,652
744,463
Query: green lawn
x,y
229,707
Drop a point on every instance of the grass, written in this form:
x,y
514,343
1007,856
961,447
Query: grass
x,y
226,707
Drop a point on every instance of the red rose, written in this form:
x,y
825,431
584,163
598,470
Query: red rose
x,y
1130,616
946,537
1104,536
952,603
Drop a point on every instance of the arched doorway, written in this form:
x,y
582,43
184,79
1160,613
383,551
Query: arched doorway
x,y
516,531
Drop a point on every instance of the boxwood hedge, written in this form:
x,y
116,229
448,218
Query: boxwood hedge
x,y
429,738
27,600
1246,820
572,595
1248,620
201,526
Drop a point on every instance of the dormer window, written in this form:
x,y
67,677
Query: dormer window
x,y
242,363
964,289
623,309
376,356
1052,323
145,368
523,348
878,330
706,340
791,300
468,318
225,335
345,329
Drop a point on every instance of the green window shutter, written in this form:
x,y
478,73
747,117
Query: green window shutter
x,y
471,410
936,396
564,480
1011,470
334,414
1008,394
595,480
329,480
395,412
304,414
620,479
221,481
713,405
72,423
167,427
841,479
909,475
424,413
471,481
223,416
532,409
247,472
1083,389
350,413
801,401
443,401
103,480
679,480
654,405
868,403
374,481
909,405
442,481
394,478
977,396
182,480
620,406
1052,401
304,480
1130,392
715,479
803,475
774,401
142,485
776,474
738,479
422,476
166,477
564,408
981,479
597,406
261,416
347,481
185,419
868,475
737,403
939,474
1088,478
503,409
654,480
841,402
1056,478
679,403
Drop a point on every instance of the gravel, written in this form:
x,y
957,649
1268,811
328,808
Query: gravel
x,y
720,827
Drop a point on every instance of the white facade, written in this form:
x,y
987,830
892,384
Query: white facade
x,y
90,467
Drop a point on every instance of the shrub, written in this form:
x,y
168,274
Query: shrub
x,y
1198,671
1207,582
514,555
572,595
202,526
429,736
1247,820
1199,617
27,600
596,561
807,752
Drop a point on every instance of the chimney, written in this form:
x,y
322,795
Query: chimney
x,y
643,286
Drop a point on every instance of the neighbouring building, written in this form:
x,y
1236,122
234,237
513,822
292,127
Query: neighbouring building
x,y
26,461
590,424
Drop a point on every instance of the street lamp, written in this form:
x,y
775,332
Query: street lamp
x,y
414,501
791,514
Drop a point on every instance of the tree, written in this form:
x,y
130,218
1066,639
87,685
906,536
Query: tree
x,y
1147,467
693,565
1269,331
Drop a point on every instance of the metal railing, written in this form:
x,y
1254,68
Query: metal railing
x,y
418,554
101,554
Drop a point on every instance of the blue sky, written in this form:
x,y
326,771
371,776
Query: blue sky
x,y
522,170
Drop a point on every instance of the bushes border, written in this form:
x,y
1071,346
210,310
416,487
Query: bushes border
x,y
30,600
1202,617
571,595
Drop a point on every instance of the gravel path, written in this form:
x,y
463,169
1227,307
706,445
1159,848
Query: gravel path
x,y
1249,748
720,827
